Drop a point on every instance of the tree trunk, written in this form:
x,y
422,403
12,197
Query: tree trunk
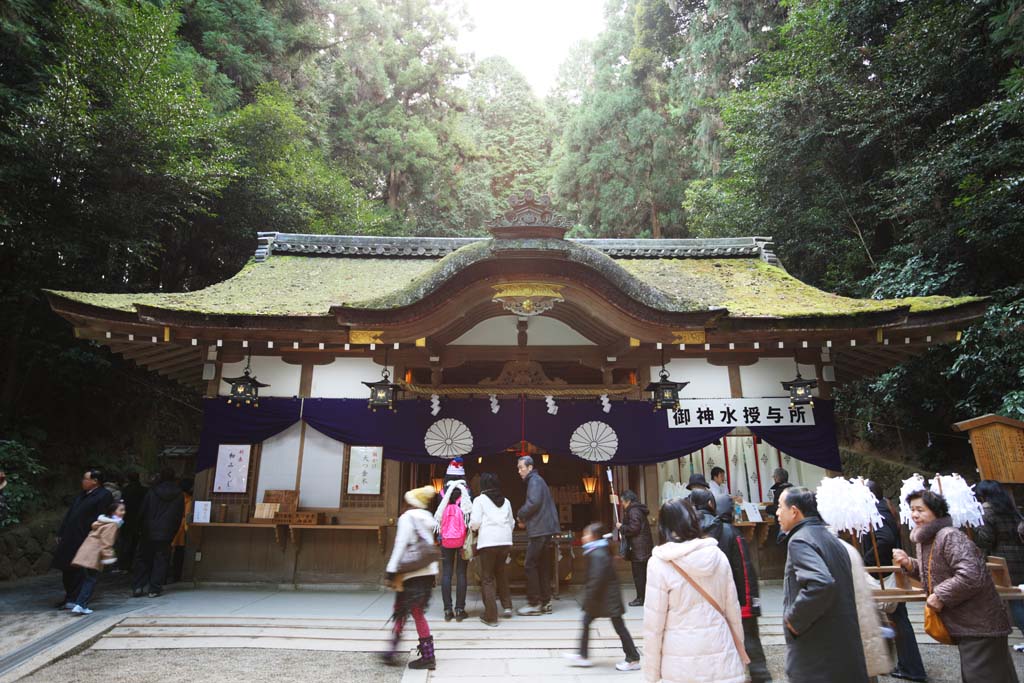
x,y
393,176
655,223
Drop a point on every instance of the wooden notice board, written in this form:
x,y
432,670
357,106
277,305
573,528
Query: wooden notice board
x,y
998,444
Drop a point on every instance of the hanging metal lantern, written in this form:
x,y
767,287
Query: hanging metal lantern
x,y
665,393
383,392
800,391
245,390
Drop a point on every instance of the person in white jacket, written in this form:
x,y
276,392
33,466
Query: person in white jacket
x,y
413,589
687,639
493,521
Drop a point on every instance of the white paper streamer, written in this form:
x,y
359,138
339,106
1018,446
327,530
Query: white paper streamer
x,y
964,507
848,505
495,406
435,404
552,408
914,483
606,405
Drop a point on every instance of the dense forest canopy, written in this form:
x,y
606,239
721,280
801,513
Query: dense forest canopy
x,y
144,143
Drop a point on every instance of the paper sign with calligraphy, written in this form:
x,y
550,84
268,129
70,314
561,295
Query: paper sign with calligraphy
x,y
739,412
232,474
364,470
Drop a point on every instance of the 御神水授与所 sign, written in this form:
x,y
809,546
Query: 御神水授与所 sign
x,y
739,412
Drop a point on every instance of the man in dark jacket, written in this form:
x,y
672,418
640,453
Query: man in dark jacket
x,y
636,528
133,494
602,598
819,606
160,518
92,502
781,479
887,538
540,518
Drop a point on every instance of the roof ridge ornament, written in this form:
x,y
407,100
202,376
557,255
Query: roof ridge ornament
x,y
529,216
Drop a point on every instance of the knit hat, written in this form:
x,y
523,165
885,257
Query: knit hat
x,y
455,469
421,497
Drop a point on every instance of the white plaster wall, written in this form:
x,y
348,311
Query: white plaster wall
x,y
705,380
541,331
284,379
344,378
763,377
279,461
323,461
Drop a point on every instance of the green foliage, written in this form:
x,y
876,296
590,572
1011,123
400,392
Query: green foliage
x,y
23,469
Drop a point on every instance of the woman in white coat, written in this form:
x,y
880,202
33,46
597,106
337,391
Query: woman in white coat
x,y
687,639
493,521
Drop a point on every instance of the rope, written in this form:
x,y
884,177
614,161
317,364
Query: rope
x,y
579,391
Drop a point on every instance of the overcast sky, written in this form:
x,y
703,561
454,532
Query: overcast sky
x,y
535,35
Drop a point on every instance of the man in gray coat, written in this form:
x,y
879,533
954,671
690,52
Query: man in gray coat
x,y
819,606
540,518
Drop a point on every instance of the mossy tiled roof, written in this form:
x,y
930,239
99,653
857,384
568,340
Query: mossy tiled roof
x,y
309,286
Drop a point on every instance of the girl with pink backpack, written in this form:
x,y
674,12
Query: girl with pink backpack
x,y
452,518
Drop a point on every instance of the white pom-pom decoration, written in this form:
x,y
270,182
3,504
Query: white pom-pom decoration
x,y
848,505
964,507
914,483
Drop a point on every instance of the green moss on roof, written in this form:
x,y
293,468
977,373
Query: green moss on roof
x,y
753,288
281,286
286,285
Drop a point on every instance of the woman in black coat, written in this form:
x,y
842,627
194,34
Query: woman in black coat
x,y
637,530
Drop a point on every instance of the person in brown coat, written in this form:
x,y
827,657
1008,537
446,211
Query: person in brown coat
x,y
960,589
637,530
96,552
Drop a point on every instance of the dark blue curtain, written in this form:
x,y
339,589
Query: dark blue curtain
x,y
643,434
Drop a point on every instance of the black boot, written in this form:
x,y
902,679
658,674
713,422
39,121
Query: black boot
x,y
390,658
426,659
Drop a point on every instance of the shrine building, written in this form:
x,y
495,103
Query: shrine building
x,y
522,342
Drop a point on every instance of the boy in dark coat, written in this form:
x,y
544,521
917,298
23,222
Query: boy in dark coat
x,y
602,598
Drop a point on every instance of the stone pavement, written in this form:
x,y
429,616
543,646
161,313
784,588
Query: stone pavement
x,y
253,619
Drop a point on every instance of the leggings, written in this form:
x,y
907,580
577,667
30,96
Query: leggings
x,y
422,627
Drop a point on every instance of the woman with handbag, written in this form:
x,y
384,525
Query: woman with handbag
x,y
693,631
411,572
963,606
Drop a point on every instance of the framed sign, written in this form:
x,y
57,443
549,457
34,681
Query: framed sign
x,y
739,412
232,475
365,464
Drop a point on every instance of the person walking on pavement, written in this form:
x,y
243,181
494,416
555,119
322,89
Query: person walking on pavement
x,y
93,501
161,514
887,537
602,597
540,518
639,542
452,523
95,553
413,538
692,629
819,603
493,521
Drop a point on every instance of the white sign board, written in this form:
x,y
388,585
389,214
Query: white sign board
x,y
201,512
364,470
753,514
232,469
739,412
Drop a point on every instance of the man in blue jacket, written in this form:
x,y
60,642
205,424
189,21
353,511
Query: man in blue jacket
x,y
539,516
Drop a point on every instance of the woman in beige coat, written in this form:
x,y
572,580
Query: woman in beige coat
x,y
95,553
686,639
876,651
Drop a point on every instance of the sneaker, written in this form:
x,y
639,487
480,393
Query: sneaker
x,y
155,594
138,593
460,614
507,613
546,608
489,623
578,660
636,603
69,605
449,615
1018,647
78,610
627,666
530,611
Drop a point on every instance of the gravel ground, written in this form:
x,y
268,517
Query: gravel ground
x,y
216,666
285,666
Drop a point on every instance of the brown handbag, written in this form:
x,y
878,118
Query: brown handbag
x,y
933,624
738,642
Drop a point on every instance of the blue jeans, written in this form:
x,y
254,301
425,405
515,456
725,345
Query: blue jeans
x,y
1017,613
89,579
451,558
